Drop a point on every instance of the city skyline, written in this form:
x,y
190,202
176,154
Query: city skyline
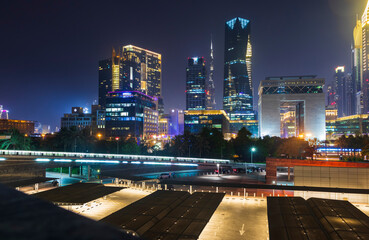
x,y
68,85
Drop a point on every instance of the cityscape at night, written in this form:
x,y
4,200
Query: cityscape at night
x,y
184,120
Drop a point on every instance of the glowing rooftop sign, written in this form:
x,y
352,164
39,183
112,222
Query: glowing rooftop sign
x,y
243,22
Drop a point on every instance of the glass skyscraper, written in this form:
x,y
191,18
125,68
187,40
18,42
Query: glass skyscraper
x,y
196,98
365,60
141,70
135,69
238,90
109,77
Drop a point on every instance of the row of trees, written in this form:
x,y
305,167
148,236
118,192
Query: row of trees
x,y
210,143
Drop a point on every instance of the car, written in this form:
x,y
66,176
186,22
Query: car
x,y
164,176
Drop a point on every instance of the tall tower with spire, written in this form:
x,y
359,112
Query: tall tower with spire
x,y
210,91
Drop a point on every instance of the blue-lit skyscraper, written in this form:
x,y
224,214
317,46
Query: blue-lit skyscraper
x,y
238,94
196,84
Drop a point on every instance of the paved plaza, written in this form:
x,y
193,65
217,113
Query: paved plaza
x,y
236,218
103,207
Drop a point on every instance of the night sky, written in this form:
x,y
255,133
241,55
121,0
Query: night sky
x,y
49,50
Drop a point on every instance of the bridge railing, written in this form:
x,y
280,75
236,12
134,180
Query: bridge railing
x,y
80,155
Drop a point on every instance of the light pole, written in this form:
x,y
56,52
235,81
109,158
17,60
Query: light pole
x,y
253,149
99,136
218,168
117,138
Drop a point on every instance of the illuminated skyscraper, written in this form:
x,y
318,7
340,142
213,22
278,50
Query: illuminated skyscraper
x,y
238,89
339,89
109,77
141,70
357,55
196,84
365,60
210,88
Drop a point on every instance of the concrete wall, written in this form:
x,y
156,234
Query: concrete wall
x,y
335,177
314,113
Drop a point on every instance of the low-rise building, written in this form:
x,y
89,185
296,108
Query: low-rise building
x,y
251,125
23,126
350,125
77,118
196,120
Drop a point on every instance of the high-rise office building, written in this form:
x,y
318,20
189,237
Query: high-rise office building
x,y
134,69
365,60
344,92
357,55
4,114
330,96
350,95
210,91
238,89
126,112
109,77
196,84
302,96
339,89
141,70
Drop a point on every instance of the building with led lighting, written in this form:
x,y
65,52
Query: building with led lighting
x,y
109,77
125,114
163,127
357,59
365,60
134,69
81,119
238,88
176,122
4,114
151,123
251,125
344,92
210,92
196,120
196,98
23,126
141,70
330,96
350,125
302,95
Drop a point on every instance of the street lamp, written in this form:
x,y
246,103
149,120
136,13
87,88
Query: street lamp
x,y
99,136
117,138
218,168
253,149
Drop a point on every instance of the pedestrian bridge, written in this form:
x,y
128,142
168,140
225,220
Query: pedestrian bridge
x,y
103,158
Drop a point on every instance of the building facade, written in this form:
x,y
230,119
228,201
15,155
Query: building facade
x,y
350,125
134,69
78,118
357,58
303,94
196,98
365,60
238,88
196,120
176,122
151,123
251,125
141,70
125,112
109,77
23,126
210,91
